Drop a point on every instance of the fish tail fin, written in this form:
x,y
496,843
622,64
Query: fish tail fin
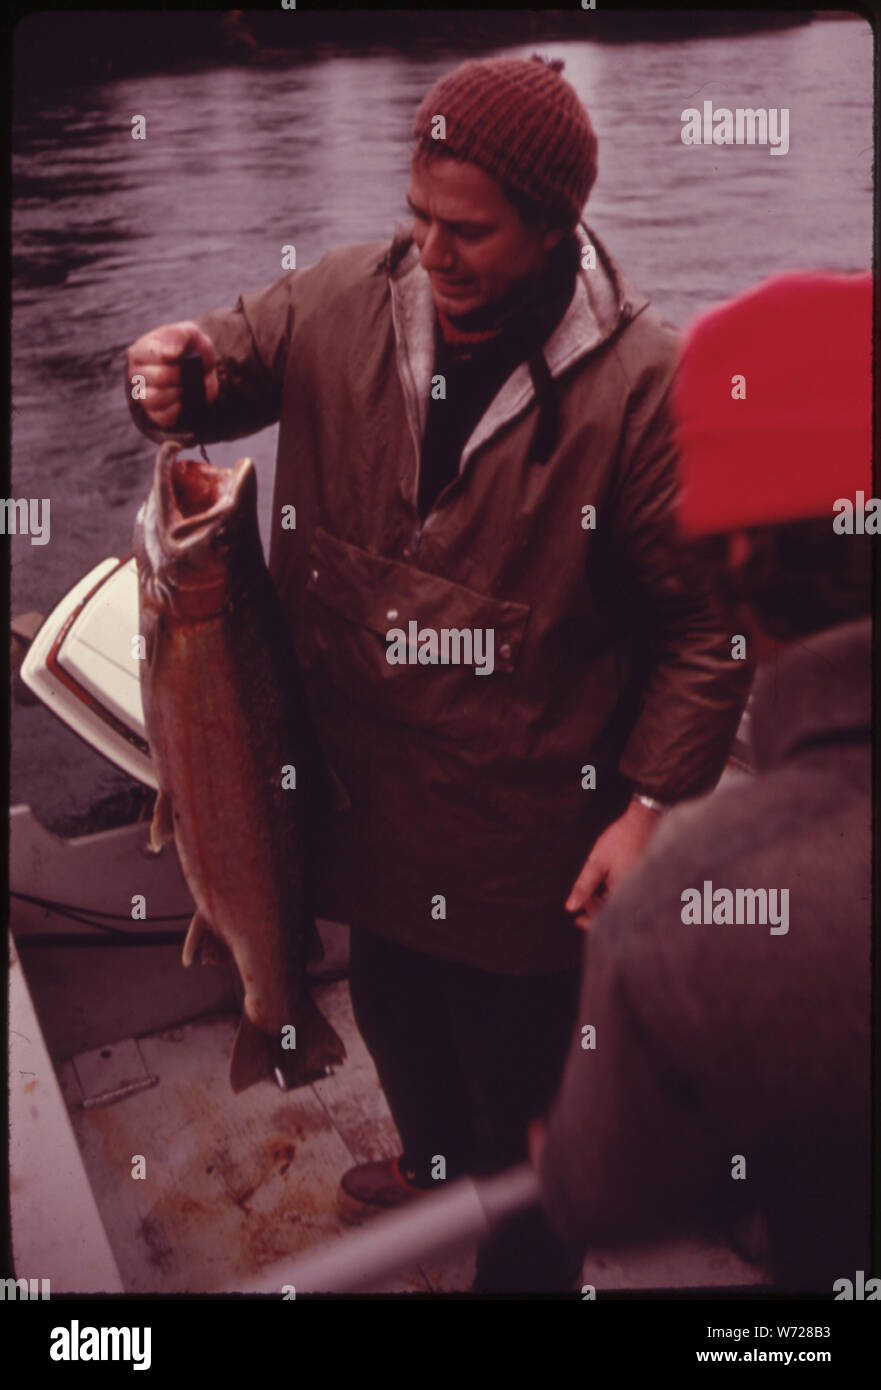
x,y
257,1056
253,1056
319,1048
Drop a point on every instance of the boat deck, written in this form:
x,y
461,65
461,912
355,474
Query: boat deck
x,y
124,1055
234,1184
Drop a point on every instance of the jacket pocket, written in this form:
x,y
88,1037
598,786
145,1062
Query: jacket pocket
x,y
353,602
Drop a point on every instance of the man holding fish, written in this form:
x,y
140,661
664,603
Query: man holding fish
x,y
474,436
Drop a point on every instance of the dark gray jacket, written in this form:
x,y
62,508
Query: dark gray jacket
x,y
716,1040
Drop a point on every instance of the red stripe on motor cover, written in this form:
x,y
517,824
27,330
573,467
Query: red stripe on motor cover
x,y
66,679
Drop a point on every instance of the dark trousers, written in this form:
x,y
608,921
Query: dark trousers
x,y
466,1059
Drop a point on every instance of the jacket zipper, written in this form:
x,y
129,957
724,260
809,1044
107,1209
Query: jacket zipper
x,y
625,310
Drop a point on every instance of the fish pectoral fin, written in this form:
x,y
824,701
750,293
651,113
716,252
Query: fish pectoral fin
x,y
162,824
203,943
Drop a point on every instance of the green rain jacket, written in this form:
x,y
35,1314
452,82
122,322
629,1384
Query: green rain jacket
x,y
466,804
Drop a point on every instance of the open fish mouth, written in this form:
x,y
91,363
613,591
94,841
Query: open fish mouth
x,y
196,498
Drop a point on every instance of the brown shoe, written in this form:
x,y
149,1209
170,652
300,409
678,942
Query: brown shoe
x,y
372,1188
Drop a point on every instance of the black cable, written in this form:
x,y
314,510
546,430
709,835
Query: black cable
x,y
129,938
86,916
115,916
68,940
119,939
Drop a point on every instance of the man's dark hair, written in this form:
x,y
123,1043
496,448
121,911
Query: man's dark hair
x,y
532,214
799,578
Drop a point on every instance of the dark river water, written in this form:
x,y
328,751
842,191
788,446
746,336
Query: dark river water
x,y
112,236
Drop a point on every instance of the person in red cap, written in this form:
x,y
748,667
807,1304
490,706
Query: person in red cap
x,y
475,443
729,979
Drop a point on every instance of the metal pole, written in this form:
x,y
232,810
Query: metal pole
x,y
425,1229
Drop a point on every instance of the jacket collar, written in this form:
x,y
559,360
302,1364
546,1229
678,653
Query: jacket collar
x,y
819,688
603,301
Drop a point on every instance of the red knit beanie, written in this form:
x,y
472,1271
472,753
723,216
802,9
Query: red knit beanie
x,y
772,404
521,122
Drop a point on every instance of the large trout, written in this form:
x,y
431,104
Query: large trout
x,y
227,728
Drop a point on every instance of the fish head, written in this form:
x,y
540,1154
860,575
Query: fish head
x,y
196,532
